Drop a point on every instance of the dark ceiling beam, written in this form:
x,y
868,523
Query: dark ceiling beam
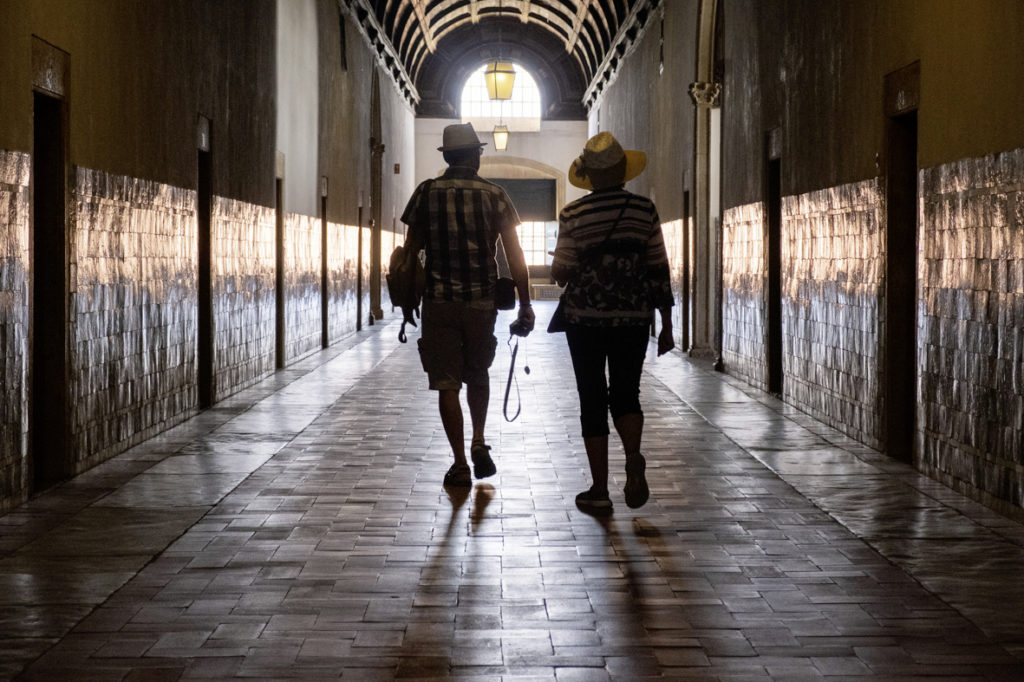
x,y
577,26
462,51
626,39
368,21
412,38
429,39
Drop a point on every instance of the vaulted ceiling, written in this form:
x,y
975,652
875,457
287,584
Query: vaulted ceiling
x,y
570,46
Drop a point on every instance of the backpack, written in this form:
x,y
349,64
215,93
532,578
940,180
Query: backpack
x,y
405,287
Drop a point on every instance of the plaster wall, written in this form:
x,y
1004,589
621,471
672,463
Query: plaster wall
x,y
547,153
298,103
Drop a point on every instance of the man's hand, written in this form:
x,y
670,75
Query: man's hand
x,y
526,318
665,340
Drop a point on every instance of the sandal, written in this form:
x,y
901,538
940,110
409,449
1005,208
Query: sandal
x,y
636,491
594,500
483,465
458,476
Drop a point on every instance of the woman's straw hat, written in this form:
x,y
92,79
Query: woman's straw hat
x,y
604,163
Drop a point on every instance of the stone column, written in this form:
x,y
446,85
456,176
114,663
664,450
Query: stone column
x,y
705,252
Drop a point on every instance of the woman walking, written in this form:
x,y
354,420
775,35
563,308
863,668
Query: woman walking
x,y
611,257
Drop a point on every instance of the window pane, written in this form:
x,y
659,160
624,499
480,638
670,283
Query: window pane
x,y
537,238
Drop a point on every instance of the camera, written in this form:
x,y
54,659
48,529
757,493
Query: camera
x,y
519,328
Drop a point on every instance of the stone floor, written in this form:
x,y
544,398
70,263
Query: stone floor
x,y
300,530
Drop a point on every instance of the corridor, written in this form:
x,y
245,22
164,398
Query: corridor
x,y
299,529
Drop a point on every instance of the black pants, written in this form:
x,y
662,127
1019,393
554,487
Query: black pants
x,y
623,350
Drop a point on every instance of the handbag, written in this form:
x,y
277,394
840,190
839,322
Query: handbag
x,y
505,293
559,321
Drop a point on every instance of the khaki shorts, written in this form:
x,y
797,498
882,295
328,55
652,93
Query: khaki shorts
x,y
457,343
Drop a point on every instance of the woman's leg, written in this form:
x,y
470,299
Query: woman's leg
x,y
626,355
625,367
630,428
588,363
597,456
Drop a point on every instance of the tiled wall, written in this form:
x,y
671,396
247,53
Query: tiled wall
x,y
244,304
832,255
14,231
744,294
971,324
133,311
302,259
673,234
831,283
342,279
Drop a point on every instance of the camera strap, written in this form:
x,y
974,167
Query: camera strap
x,y
513,380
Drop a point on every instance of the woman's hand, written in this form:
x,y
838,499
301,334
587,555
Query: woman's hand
x,y
666,342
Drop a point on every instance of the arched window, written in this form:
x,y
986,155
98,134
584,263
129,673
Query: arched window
x,y
520,114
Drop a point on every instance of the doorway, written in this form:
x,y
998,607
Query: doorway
x,y
376,182
48,422
773,196
325,335
204,215
684,295
900,336
280,356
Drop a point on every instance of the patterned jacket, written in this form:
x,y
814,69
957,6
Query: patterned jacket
x,y
611,253
460,216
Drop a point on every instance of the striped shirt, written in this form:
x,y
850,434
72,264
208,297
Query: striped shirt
x,y
616,275
460,216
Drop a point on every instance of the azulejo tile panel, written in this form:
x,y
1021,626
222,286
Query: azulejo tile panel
x,y
831,283
14,263
744,293
971,324
302,285
133,311
342,279
675,246
832,255
244,304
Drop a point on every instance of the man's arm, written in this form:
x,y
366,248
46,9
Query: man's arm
x,y
413,244
520,274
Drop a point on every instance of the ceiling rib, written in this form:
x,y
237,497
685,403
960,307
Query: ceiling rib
x,y
425,32
411,35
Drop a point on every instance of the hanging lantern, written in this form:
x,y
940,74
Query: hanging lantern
x,y
500,76
500,137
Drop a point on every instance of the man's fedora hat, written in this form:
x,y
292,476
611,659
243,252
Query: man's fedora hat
x,y
604,163
459,136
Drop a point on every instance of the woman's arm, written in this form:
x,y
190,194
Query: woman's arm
x,y
564,265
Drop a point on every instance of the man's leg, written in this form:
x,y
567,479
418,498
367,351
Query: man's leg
x,y
478,397
479,345
451,418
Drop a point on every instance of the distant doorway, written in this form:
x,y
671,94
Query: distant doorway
x,y
325,337
773,196
48,424
280,354
685,254
376,186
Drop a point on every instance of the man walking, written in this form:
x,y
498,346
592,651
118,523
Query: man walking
x,y
457,219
